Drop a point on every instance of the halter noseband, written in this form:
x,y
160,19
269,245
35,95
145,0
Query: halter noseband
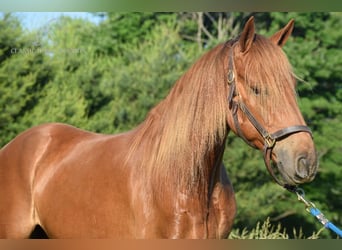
x,y
270,139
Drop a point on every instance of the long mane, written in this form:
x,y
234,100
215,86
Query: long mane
x,y
179,132
179,135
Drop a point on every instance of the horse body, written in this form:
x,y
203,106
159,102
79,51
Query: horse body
x,y
89,193
165,178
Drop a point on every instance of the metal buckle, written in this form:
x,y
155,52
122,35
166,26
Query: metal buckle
x,y
230,76
269,141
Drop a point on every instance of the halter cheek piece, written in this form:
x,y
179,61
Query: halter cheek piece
x,y
270,139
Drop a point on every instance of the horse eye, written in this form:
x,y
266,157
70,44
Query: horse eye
x,y
256,90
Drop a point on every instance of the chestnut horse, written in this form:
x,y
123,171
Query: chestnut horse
x,y
165,178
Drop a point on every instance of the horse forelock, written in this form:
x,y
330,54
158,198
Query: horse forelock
x,y
179,133
266,69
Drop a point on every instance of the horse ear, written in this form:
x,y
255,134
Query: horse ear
x,y
247,36
282,35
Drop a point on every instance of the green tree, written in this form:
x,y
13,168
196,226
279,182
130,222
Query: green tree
x,y
126,28
23,74
141,76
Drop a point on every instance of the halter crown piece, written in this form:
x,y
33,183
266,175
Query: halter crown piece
x,y
270,139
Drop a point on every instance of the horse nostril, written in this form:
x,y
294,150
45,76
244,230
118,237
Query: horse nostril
x,y
303,167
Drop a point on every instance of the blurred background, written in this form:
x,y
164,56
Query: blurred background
x,y
104,71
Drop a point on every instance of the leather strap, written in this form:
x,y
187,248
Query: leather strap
x,y
290,130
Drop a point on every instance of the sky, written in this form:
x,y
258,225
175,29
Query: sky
x,y
35,20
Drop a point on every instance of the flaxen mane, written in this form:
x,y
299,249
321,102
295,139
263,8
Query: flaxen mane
x,y
191,120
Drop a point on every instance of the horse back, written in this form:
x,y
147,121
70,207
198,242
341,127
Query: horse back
x,y
57,167
24,153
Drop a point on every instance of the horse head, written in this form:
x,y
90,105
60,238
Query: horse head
x,y
263,108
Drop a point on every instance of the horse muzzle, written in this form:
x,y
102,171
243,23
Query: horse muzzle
x,y
297,163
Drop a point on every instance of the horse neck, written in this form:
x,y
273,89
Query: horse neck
x,y
182,138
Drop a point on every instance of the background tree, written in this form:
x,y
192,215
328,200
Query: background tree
x,y
23,74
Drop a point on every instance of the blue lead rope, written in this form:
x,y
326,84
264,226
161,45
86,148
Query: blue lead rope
x,y
311,208
327,224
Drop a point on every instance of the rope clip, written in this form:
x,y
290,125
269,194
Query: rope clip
x,y
300,195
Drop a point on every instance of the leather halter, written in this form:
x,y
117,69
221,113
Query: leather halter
x,y
270,139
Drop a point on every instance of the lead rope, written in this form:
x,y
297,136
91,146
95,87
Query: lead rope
x,y
311,208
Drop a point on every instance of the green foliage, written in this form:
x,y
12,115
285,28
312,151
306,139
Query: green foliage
x,y
154,66
106,77
23,75
57,104
130,28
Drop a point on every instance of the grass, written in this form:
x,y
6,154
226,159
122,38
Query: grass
x,y
268,231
